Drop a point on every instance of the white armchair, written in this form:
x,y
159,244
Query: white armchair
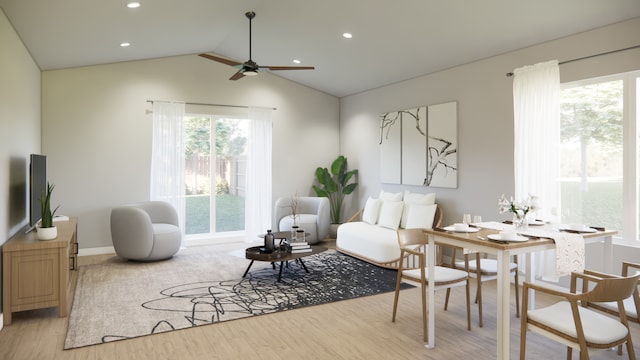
x,y
145,231
312,215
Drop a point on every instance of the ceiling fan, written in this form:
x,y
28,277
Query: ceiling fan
x,y
249,67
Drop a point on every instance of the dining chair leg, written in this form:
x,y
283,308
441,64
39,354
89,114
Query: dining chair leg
x,y
479,289
468,306
630,351
446,299
424,310
397,294
523,327
515,260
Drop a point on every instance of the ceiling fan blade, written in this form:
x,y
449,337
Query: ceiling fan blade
x,y
288,67
250,67
220,60
238,75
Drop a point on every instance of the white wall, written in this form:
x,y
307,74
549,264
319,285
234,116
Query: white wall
x,y
19,127
19,131
485,115
96,128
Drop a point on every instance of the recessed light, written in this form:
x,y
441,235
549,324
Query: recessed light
x,y
347,35
125,44
296,61
133,5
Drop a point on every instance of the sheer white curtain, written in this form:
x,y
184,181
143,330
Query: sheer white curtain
x,y
536,105
258,194
167,156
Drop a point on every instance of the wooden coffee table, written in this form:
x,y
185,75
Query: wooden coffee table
x,y
254,254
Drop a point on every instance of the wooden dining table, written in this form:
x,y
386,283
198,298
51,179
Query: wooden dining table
x,y
478,241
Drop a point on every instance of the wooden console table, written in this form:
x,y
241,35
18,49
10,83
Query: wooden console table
x,y
36,274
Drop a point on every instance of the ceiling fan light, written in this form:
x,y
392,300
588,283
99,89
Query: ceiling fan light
x,y
249,73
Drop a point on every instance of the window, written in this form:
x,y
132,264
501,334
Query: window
x,y
599,148
215,174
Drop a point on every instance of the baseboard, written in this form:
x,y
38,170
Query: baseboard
x,y
188,243
96,251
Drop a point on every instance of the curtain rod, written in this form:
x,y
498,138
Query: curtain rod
x,y
223,105
509,74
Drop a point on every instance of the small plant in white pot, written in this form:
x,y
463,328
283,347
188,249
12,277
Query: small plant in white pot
x,y
45,229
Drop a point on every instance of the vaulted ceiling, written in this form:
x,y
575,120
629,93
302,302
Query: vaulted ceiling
x,y
392,40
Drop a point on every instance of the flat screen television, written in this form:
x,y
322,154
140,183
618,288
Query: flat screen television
x,y
37,185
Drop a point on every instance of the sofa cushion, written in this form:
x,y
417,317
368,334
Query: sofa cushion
x,y
370,241
420,216
371,210
390,214
411,199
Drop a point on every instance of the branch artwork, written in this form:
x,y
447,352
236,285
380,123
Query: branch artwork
x,y
439,157
386,123
419,146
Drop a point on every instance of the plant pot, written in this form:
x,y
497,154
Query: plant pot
x,y
49,233
333,230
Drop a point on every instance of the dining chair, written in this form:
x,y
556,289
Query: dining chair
x,y
631,304
576,326
414,242
483,270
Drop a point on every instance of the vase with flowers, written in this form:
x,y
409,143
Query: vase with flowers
x,y
520,209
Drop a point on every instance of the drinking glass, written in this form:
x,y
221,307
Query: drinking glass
x,y
477,219
466,219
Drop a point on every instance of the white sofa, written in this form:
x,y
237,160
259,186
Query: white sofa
x,y
371,234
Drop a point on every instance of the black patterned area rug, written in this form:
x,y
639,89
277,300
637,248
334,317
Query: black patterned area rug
x,y
122,300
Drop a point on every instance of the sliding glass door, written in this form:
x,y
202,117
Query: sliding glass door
x,y
215,174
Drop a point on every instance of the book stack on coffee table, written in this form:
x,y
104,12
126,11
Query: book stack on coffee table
x,y
299,246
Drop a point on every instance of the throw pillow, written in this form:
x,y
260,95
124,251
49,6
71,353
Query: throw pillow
x,y
421,216
390,214
388,196
415,198
371,210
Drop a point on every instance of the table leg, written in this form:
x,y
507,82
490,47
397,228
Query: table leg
x,y
303,265
248,267
431,321
504,290
280,273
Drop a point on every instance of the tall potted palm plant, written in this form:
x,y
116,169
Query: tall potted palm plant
x,y
335,185
45,229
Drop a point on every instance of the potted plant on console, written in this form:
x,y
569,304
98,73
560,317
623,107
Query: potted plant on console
x,y
45,229
335,186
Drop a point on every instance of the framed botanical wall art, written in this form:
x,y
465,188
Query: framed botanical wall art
x,y
390,147
414,147
419,146
442,145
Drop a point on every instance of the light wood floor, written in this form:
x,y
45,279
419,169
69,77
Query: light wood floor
x,y
352,329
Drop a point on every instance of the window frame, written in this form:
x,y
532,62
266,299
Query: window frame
x,y
629,234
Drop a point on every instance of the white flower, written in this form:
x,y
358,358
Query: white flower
x,y
518,208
